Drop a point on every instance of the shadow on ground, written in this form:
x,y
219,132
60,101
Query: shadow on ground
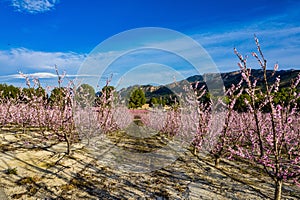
x,y
43,171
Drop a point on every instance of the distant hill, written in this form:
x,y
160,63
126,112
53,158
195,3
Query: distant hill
x,y
234,77
228,78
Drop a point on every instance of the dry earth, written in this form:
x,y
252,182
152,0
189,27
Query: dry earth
x,y
121,166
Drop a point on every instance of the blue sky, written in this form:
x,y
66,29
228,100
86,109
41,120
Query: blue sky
x,y
38,34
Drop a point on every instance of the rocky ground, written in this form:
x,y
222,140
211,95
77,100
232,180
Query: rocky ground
x,y
122,166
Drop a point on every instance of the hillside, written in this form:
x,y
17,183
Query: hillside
x,y
229,78
234,77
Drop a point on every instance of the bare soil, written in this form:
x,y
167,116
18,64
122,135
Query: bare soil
x,y
120,166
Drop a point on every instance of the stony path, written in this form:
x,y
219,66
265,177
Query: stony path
x,y
126,166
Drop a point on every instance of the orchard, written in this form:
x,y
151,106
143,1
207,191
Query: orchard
x,y
264,135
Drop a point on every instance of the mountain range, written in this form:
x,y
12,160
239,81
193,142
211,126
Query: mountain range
x,y
228,78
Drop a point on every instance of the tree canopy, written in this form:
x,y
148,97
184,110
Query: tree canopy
x,y
137,98
85,95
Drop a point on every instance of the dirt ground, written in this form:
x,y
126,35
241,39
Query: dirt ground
x,y
121,166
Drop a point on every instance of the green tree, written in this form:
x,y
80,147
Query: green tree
x,y
104,96
107,90
162,101
137,98
240,104
9,92
29,94
58,97
153,102
85,95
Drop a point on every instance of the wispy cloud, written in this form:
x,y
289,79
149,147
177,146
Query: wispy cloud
x,y
22,59
43,75
39,75
46,79
34,6
280,44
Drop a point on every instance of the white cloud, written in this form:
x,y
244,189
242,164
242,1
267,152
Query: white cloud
x,y
234,37
279,44
33,75
22,59
43,75
34,6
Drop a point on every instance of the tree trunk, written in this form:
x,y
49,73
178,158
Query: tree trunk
x,y
217,161
195,150
68,145
278,189
88,144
